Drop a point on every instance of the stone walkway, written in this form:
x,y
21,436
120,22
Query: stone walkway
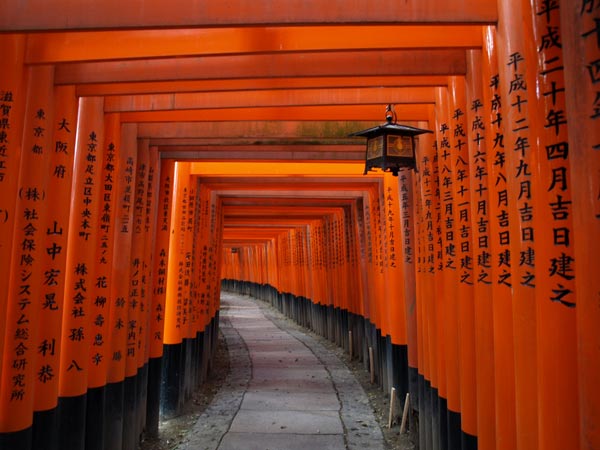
x,y
284,391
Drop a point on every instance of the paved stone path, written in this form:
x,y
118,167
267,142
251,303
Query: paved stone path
x,y
285,390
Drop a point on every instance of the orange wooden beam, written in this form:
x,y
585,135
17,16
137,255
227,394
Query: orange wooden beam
x,y
252,234
270,187
249,99
350,112
232,151
314,64
247,84
345,153
248,206
51,48
324,134
240,226
279,184
259,213
111,14
252,131
306,192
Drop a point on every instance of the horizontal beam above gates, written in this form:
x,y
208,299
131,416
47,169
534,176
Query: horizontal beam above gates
x,y
268,223
261,215
117,14
278,153
299,192
270,98
265,220
251,232
54,48
274,175
221,85
250,131
412,112
248,205
287,65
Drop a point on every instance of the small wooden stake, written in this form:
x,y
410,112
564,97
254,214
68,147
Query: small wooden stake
x,y
350,343
404,414
371,365
392,404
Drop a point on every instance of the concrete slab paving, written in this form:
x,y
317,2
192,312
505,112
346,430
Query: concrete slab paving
x,y
296,422
289,373
266,364
285,391
288,346
290,401
268,441
317,386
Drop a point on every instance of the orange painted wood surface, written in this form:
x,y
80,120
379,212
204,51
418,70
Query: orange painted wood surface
x,y
581,53
447,302
253,84
37,14
123,138
464,249
317,64
279,97
76,359
100,304
149,225
174,320
14,91
53,48
21,366
135,299
161,258
480,186
59,194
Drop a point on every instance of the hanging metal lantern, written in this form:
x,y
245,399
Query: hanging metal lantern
x,y
390,146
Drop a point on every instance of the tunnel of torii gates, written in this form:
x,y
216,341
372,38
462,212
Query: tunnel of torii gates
x,y
153,153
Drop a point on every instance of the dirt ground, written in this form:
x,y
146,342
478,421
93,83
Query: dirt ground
x,y
379,403
172,431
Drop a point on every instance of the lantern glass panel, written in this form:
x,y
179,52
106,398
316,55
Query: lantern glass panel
x,y
375,147
400,146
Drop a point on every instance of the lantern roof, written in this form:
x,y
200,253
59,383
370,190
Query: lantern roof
x,y
391,128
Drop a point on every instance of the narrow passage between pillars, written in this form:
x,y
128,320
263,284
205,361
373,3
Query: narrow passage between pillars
x,y
285,390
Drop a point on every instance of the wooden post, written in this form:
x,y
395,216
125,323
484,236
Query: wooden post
x,y
12,104
174,330
392,407
556,266
371,365
447,298
426,317
76,343
99,308
45,432
464,250
480,182
403,425
158,290
502,308
122,241
581,56
517,63
23,306
350,344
